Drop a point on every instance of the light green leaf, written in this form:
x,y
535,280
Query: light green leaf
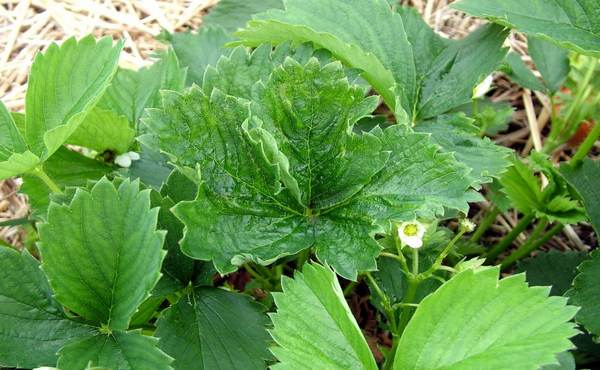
x,y
65,83
196,51
456,134
214,329
459,68
102,253
586,294
103,130
118,351
369,36
66,168
584,178
15,158
475,321
571,24
33,326
490,117
551,61
132,91
554,268
314,327
233,14
522,187
566,361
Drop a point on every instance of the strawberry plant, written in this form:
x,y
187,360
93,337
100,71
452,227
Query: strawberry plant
x,y
218,208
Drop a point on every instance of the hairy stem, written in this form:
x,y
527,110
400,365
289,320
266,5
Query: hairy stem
x,y
587,145
39,173
485,223
532,245
509,238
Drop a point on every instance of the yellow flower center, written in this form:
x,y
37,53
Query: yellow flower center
x,y
410,230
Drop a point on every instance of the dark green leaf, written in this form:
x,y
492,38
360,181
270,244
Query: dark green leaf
x,y
520,73
233,14
551,60
554,268
584,179
586,294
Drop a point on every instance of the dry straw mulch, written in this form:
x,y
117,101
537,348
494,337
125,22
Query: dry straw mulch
x,y
28,26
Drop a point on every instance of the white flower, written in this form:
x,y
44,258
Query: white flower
x,y
411,234
466,225
124,160
485,86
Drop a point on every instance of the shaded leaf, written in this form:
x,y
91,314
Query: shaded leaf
x,y
584,179
233,14
554,268
586,294
551,61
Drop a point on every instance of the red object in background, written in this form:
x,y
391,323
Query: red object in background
x,y
582,132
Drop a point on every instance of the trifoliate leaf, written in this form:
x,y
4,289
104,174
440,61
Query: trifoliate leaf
x,y
475,321
132,91
102,253
66,168
214,329
118,351
586,294
570,24
33,326
314,326
554,268
457,134
103,130
196,51
233,14
550,60
65,83
584,178
15,158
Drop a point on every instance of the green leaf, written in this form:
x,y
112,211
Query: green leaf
x,y
551,61
522,187
554,268
65,83
15,158
102,253
566,361
490,117
33,326
214,329
196,51
459,68
520,73
103,130
475,321
152,169
369,37
67,169
570,24
118,351
456,134
132,91
314,326
586,294
584,178
233,14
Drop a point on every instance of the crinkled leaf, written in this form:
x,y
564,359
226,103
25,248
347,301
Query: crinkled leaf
x,y
118,351
152,168
66,168
457,134
33,326
103,130
554,268
475,321
132,91
364,34
65,83
214,329
522,187
196,51
490,117
551,61
233,14
584,178
314,326
102,253
586,294
571,24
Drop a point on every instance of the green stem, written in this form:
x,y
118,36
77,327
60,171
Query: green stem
x,y
486,223
350,288
385,302
532,245
415,261
587,145
39,172
440,258
255,275
509,238
407,311
401,257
